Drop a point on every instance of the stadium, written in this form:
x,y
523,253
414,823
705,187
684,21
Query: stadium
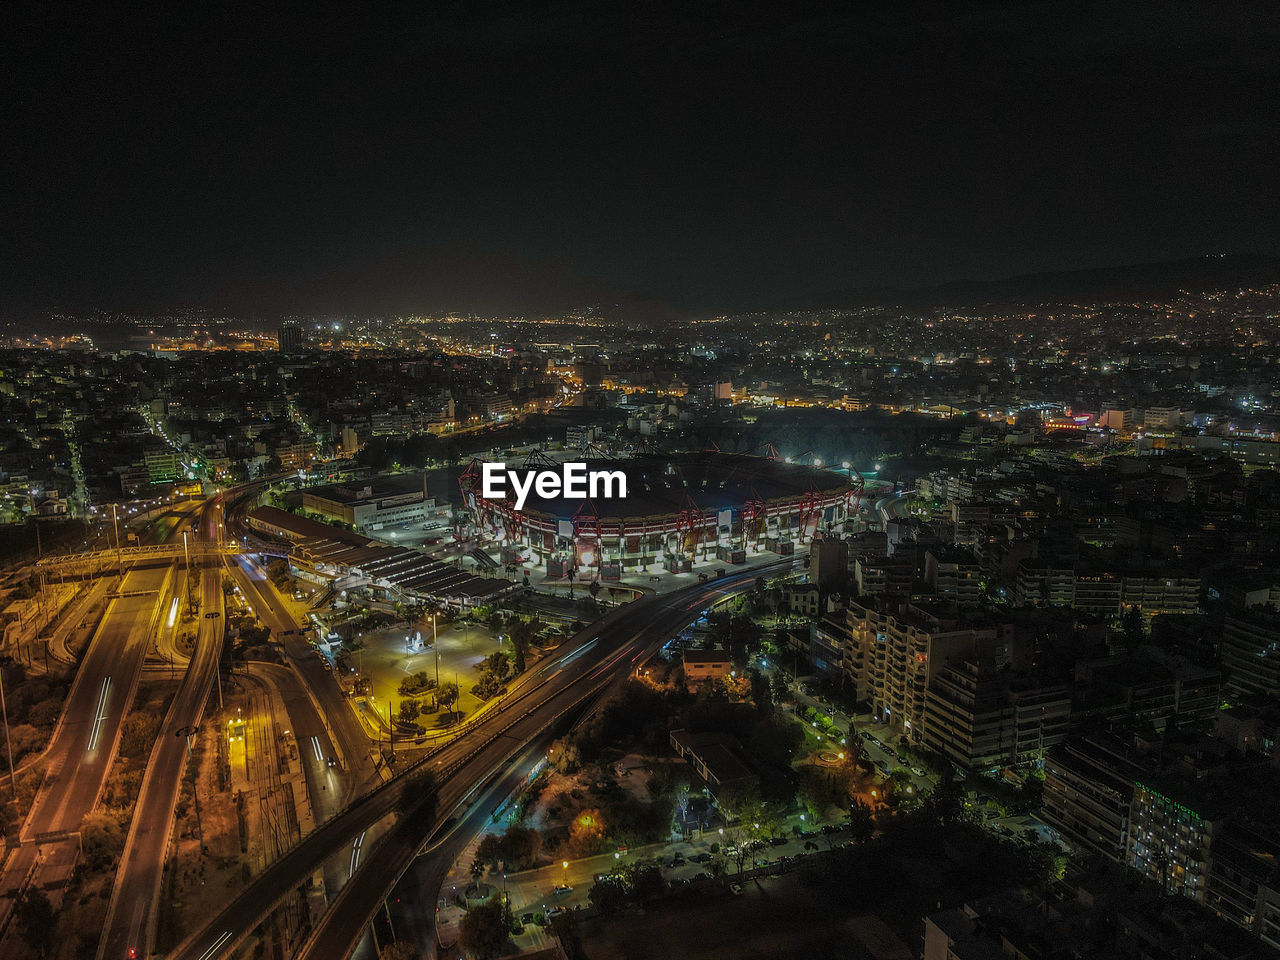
x,y
680,509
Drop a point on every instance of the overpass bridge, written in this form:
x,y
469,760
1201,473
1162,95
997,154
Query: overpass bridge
x,y
97,559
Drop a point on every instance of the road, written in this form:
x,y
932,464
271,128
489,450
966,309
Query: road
x,y
408,909
86,738
605,653
131,921
343,727
584,665
894,507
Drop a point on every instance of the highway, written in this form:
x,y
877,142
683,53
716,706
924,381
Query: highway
x,y
584,666
343,727
86,738
131,921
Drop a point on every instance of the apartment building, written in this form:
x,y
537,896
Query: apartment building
x,y
979,716
896,649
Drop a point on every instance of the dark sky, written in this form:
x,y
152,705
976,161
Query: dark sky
x,y
506,161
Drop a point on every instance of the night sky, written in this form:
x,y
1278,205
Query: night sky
x,y
508,162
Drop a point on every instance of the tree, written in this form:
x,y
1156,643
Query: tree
x,y
586,832
948,798
608,894
478,866
101,839
740,800
409,710
521,846
401,951
447,695
1133,627
761,694
594,588
522,634
415,684
861,821
483,931
33,913
516,849
496,664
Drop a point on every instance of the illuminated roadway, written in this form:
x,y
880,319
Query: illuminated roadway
x,y
893,507
565,682
84,743
342,725
130,920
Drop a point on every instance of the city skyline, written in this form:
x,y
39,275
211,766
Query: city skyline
x,y
676,480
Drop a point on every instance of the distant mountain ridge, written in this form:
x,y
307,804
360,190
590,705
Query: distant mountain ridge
x,y
1142,281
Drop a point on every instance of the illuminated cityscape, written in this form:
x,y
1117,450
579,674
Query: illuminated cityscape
x,y
805,486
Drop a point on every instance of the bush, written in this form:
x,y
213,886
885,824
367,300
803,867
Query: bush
x,y
101,839
139,733
45,713
24,739
416,683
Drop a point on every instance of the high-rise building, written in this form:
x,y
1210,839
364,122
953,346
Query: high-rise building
x,y
829,563
1251,652
979,717
1088,792
290,336
896,649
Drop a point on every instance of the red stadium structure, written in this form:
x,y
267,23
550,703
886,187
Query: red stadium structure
x,y
682,509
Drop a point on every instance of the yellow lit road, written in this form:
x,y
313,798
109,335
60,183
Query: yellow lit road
x,y
85,740
131,920
342,725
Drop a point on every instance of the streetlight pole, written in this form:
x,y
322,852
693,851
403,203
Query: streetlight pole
x,y
115,523
435,645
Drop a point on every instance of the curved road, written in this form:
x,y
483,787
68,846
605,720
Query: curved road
x,y
583,667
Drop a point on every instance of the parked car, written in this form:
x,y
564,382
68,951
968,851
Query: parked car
x,y
735,889
778,841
